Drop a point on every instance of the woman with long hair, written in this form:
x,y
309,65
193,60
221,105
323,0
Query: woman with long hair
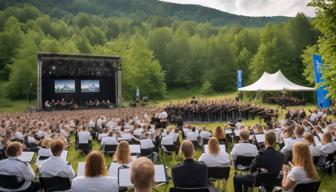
x,y
219,134
303,170
95,179
123,153
215,157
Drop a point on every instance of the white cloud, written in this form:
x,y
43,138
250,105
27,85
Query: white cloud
x,y
255,7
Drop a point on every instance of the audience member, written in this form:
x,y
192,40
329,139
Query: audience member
x,y
142,174
215,157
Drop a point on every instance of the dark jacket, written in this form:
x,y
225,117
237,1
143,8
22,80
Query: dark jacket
x,y
190,174
269,159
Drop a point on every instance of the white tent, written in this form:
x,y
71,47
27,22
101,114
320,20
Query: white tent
x,y
274,82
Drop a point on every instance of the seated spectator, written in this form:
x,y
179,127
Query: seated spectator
x,y
244,148
269,161
328,146
142,174
304,169
95,179
219,134
314,148
45,150
123,154
56,165
111,139
15,167
189,173
298,132
193,135
84,136
216,157
146,142
205,134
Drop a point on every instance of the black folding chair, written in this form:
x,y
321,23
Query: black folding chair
x,y
84,147
110,149
41,158
147,152
205,141
219,173
196,144
308,187
178,189
268,181
10,182
243,163
49,184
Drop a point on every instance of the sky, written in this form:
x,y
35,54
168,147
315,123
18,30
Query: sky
x,y
255,7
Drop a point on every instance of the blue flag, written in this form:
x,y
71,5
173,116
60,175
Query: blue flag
x,y
239,79
321,92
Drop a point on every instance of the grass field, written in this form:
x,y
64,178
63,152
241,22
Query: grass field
x,y
178,95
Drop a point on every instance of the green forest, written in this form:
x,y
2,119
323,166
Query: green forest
x,y
163,46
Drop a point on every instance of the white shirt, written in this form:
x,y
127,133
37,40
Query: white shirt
x,y
84,137
222,159
244,149
167,140
101,135
205,134
192,136
328,148
163,115
94,184
313,117
146,143
298,175
174,136
315,150
31,140
289,145
56,166
109,141
13,166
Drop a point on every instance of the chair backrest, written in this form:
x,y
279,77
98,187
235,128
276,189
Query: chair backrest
x,y
110,148
147,152
10,182
55,183
307,187
268,179
177,189
219,172
244,160
205,141
170,147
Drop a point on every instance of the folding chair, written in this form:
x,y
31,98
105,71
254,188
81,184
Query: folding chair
x,y
178,189
10,182
243,163
147,152
219,173
307,187
268,181
110,149
84,147
49,184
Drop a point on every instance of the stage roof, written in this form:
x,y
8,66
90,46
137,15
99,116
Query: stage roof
x,y
274,82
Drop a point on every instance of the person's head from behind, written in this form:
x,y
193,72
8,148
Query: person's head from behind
x,y
302,158
299,130
244,135
308,138
213,146
123,153
219,133
142,174
46,143
95,164
326,138
14,149
270,138
57,147
187,149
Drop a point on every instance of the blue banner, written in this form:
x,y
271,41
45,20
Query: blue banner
x,y
321,92
239,79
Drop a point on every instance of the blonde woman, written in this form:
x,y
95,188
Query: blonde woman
x,y
303,170
219,134
122,157
95,179
45,150
215,157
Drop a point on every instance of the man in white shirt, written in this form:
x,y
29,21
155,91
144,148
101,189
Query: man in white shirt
x,y
146,143
56,165
13,166
163,115
84,136
287,149
193,135
244,148
313,116
109,140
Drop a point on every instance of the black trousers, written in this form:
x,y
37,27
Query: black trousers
x,y
241,182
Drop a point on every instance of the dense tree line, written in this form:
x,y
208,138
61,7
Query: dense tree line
x,y
158,53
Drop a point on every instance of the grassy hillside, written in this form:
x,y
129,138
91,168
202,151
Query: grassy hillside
x,y
142,10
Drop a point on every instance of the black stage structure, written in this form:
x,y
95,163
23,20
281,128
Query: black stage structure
x,y
52,67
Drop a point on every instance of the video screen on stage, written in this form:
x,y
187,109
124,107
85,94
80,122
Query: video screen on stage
x,y
90,86
64,86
